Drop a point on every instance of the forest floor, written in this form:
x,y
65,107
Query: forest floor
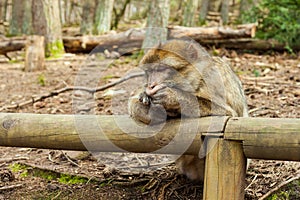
x,y
272,86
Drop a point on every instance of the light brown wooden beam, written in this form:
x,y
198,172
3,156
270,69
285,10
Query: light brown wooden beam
x,y
105,133
262,138
266,138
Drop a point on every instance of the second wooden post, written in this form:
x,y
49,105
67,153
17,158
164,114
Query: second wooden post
x,y
225,170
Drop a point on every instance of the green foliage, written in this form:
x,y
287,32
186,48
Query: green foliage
x,y
280,196
278,19
256,73
41,80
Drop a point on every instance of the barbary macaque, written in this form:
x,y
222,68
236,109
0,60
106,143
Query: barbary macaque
x,y
183,80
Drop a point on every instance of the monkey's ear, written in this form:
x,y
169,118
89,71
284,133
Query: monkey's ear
x,y
150,57
192,50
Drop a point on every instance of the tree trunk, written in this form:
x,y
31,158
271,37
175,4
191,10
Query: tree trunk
x,y
203,11
103,14
46,22
119,14
190,8
2,17
88,12
225,11
35,53
67,11
62,12
21,18
157,23
214,5
245,5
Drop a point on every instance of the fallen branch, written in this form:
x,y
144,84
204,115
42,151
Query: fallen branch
x,y
9,187
70,88
278,187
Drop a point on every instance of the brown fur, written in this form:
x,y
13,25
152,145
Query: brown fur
x,y
184,80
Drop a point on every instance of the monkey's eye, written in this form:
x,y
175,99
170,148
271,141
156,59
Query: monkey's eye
x,y
161,68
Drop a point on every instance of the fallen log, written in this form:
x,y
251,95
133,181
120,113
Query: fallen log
x,y
132,39
11,44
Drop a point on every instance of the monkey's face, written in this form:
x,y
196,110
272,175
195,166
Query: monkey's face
x,y
160,76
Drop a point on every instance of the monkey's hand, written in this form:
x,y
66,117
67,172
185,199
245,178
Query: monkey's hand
x,y
167,97
142,110
176,102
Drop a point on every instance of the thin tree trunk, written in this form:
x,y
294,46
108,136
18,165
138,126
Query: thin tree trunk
x,y
157,23
120,14
21,18
214,5
190,8
67,11
62,8
88,12
103,16
5,10
225,11
203,11
46,22
2,11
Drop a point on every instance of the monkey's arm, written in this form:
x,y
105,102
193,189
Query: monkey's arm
x,y
177,102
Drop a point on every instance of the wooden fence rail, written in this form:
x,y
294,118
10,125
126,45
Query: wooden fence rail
x,y
226,141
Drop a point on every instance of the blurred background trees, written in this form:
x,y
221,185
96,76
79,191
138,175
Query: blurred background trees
x,y
277,19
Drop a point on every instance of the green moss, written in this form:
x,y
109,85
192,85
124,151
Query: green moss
x,y
12,61
16,167
55,49
23,169
68,179
46,174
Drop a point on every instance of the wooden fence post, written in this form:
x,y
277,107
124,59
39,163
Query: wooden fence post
x,y
225,170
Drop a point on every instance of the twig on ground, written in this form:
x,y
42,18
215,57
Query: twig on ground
x,y
70,88
251,182
9,187
3,160
57,195
161,195
70,160
278,187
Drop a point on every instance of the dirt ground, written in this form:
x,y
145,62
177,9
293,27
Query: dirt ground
x,y
271,82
